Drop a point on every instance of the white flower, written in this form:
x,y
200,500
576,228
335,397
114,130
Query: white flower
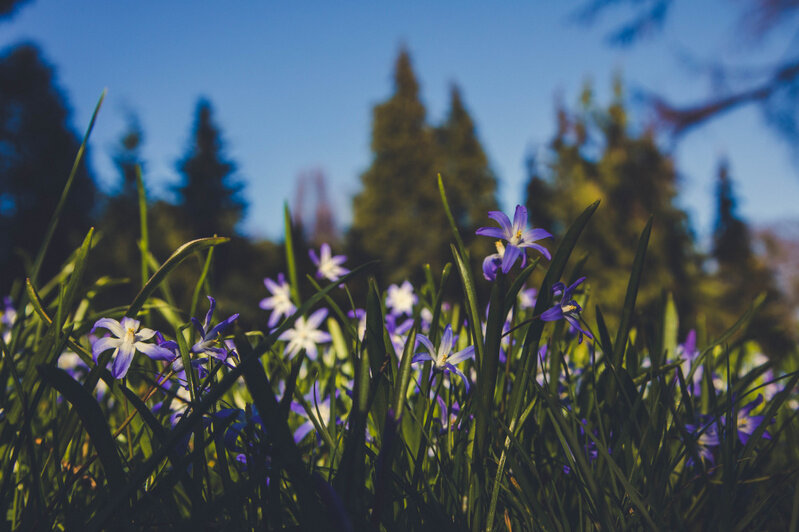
x,y
306,334
327,265
280,301
400,299
129,339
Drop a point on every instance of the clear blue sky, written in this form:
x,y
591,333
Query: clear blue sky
x,y
293,85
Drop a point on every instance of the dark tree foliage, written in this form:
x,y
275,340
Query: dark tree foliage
x,y
8,8
593,156
119,224
37,151
743,275
209,197
398,215
469,181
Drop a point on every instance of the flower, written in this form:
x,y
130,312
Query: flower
x,y
318,408
442,359
517,237
567,309
306,334
280,301
400,299
129,339
209,337
527,298
328,266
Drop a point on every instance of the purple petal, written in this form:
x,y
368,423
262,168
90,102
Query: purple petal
x,y
112,325
210,313
122,362
104,344
156,352
502,219
492,232
511,254
220,327
541,249
315,319
314,258
490,266
520,218
553,314
461,355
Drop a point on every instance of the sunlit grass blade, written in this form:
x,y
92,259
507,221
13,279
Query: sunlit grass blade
x,y
291,258
48,236
188,423
181,254
93,419
620,342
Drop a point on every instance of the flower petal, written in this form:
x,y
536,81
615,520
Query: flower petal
x,y
520,219
104,344
502,219
511,254
493,232
553,314
112,325
156,352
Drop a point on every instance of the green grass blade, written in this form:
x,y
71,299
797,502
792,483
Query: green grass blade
x,y
181,254
93,419
48,236
291,259
620,343
144,241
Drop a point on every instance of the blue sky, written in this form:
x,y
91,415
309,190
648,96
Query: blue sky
x,y
293,85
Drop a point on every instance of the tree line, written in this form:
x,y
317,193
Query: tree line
x,y
397,217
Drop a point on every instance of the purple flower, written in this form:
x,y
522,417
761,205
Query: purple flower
x,y
327,265
209,342
442,360
280,300
320,409
306,334
567,309
517,237
747,424
129,339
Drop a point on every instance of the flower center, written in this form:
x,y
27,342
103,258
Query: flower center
x,y
500,248
516,239
569,308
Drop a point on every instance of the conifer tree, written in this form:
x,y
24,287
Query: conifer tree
x,y
209,197
37,151
742,275
463,164
397,217
596,156
119,222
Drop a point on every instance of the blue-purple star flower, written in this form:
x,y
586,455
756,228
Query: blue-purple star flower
x,y
517,236
442,360
280,301
327,265
320,409
567,309
210,342
128,339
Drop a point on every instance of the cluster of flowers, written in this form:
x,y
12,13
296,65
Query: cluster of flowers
x,y
512,240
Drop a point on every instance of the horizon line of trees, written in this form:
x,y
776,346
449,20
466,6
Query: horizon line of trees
x,y
397,216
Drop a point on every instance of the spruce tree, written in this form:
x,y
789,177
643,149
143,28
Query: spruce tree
x,y
467,176
119,223
741,275
398,217
209,197
37,151
594,156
